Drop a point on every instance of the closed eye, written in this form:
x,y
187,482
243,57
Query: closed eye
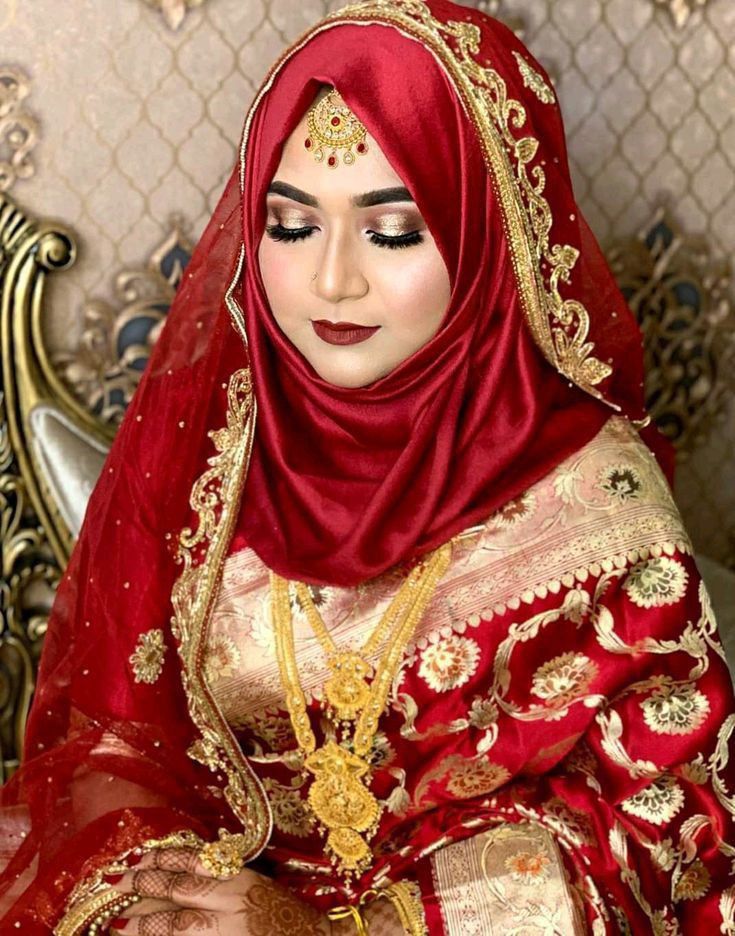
x,y
278,232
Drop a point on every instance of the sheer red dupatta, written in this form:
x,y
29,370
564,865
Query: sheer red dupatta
x,y
106,764
125,744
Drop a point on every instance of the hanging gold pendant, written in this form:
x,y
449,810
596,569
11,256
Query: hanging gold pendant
x,y
346,690
343,804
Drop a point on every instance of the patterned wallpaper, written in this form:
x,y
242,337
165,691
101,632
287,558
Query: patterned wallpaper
x,y
128,116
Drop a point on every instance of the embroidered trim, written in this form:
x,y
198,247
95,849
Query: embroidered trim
x,y
560,327
215,498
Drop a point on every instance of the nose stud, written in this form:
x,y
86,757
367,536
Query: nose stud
x,y
314,276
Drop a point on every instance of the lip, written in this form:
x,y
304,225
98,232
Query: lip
x,y
343,333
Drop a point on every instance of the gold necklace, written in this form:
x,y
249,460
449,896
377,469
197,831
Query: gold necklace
x,y
339,796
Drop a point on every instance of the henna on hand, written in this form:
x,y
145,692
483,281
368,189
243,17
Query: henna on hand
x,y
270,910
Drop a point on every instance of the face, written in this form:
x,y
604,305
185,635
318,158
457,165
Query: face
x,y
381,288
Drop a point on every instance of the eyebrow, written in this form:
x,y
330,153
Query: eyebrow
x,y
366,200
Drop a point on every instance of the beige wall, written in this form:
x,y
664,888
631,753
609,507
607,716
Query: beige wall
x,y
138,123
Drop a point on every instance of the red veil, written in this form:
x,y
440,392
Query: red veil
x,y
537,349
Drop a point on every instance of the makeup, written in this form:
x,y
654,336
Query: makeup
x,y
343,333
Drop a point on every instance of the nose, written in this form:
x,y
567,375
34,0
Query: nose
x,y
339,275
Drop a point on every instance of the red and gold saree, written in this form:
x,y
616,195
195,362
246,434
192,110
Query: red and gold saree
x,y
554,751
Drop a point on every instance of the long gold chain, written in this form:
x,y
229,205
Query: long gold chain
x,y
339,796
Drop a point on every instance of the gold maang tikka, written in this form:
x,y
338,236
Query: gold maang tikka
x,y
333,127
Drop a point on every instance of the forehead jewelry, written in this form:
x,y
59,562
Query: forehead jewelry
x,y
333,127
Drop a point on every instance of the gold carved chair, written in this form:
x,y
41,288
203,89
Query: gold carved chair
x,y
59,413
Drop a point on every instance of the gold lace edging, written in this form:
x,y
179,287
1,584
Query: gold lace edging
x,y
215,497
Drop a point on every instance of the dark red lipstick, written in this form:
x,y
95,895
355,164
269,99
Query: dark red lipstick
x,y
343,333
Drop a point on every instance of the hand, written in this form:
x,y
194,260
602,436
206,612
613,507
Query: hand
x,y
181,896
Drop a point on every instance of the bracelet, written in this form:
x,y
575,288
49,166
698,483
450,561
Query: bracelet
x,y
342,913
406,898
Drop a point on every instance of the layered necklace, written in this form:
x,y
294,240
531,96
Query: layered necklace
x,y
339,796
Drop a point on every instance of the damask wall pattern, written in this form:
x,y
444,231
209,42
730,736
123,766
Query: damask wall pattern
x,y
139,106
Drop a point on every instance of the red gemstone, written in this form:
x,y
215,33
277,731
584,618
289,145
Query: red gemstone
x,y
361,147
332,161
335,121
307,144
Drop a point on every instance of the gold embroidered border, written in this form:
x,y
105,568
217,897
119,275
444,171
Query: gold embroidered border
x,y
215,497
560,327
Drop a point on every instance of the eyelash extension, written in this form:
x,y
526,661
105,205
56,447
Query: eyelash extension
x,y
396,243
278,232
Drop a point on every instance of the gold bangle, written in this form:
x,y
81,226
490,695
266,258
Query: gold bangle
x,y
406,898
342,913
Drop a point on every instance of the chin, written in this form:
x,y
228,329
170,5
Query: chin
x,y
346,378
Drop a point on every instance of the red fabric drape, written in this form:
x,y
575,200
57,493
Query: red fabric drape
x,y
106,761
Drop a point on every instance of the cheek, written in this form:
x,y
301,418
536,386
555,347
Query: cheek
x,y
417,294
283,276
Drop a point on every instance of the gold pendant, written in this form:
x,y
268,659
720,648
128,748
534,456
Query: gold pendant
x,y
342,803
346,690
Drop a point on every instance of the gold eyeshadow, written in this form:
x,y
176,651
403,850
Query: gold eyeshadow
x,y
290,219
394,225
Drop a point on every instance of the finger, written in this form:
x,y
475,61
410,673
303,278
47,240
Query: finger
x,y
174,859
167,924
149,905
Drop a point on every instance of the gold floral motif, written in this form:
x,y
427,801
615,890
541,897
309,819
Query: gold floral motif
x,y
563,679
275,730
533,81
572,824
658,802
693,883
450,663
622,482
147,659
515,511
290,813
221,659
470,778
529,868
656,582
675,710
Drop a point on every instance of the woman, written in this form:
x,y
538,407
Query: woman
x,y
435,656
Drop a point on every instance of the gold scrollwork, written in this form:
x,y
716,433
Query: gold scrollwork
x,y
681,10
34,542
105,369
174,11
19,129
681,297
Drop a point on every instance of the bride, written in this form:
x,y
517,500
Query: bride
x,y
382,618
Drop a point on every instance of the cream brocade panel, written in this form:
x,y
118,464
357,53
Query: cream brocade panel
x,y
605,507
508,880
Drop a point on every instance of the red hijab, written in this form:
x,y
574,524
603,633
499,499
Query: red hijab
x,y
346,483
